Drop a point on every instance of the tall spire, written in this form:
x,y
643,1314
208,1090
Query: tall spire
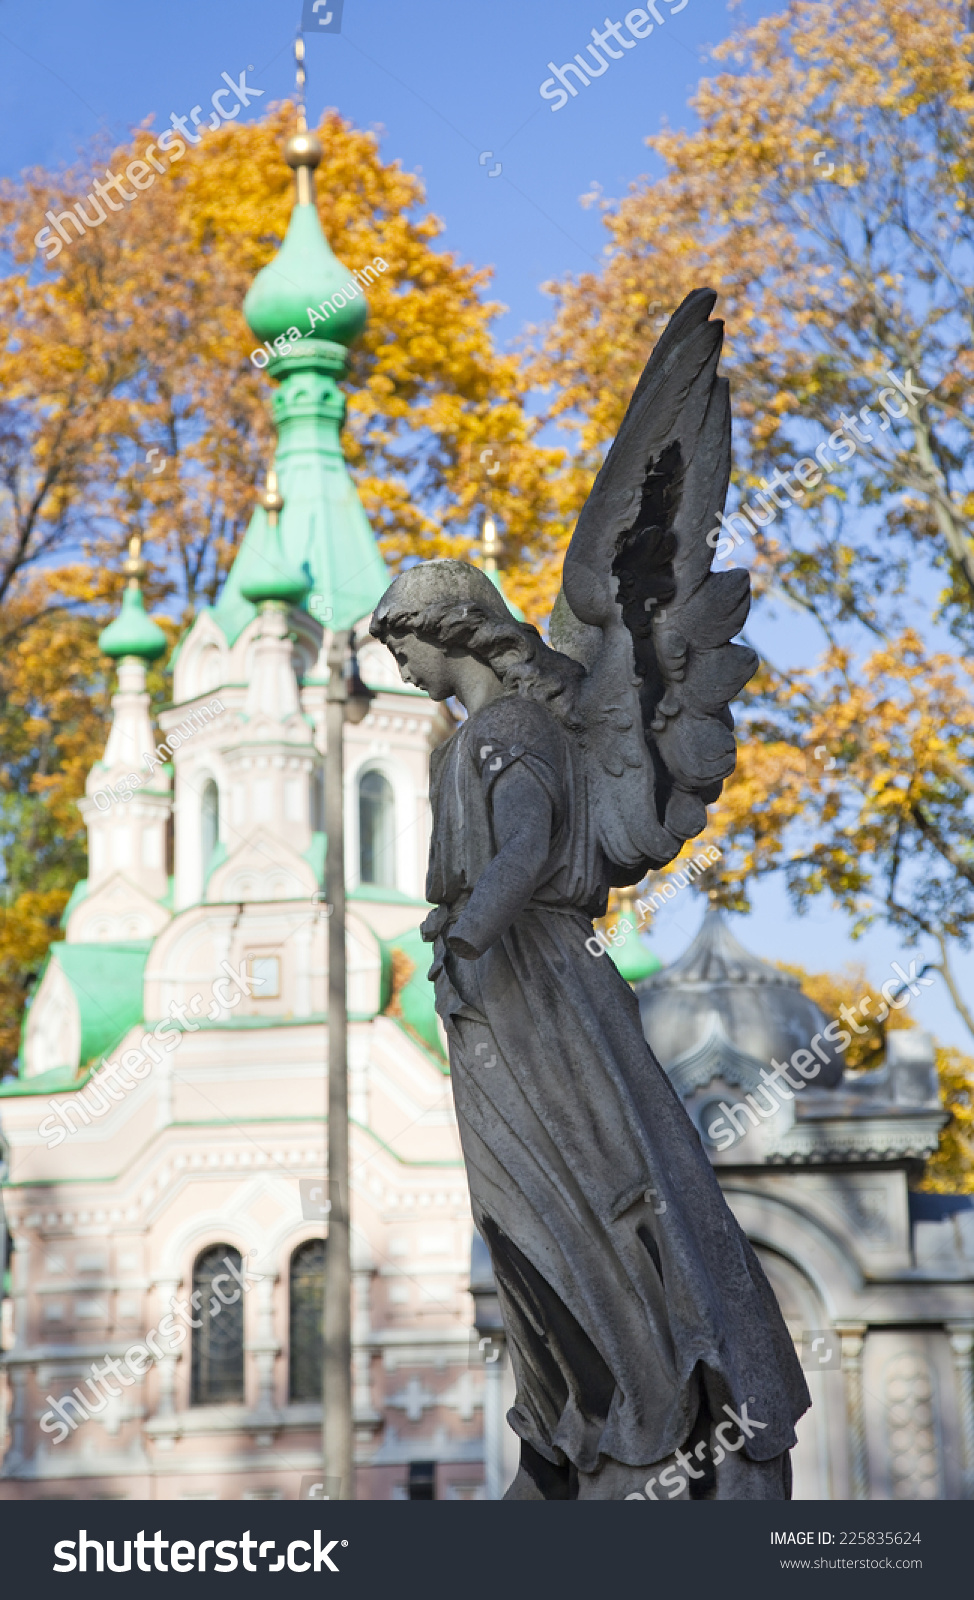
x,y
271,579
308,308
488,561
127,799
303,150
133,633
292,291
488,535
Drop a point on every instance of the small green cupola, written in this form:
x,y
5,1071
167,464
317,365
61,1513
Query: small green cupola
x,y
133,633
631,956
270,576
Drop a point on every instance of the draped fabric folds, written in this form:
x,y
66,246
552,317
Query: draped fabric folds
x,y
628,1290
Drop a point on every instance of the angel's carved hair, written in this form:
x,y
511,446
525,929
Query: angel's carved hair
x,y
470,618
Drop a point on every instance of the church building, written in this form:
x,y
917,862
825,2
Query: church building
x,y
164,1144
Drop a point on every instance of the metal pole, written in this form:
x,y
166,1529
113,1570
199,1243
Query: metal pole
x,y
336,1419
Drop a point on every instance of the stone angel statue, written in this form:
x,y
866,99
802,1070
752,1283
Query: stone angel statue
x,y
649,1353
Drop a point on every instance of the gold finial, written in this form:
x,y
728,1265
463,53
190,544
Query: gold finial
x,y
134,566
303,150
270,499
488,535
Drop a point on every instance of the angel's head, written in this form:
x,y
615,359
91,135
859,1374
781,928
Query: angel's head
x,y
445,621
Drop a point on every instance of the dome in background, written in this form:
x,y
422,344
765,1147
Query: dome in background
x,y
718,999
132,633
303,274
634,958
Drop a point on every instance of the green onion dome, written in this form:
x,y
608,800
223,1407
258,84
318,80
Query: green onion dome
x,y
305,275
132,633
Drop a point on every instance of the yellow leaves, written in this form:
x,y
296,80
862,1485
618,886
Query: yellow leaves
x,y
136,334
951,1169
26,929
869,754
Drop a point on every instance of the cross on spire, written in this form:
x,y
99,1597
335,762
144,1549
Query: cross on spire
x,y
134,567
301,79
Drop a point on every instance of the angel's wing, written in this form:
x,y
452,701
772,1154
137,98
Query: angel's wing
x,y
642,611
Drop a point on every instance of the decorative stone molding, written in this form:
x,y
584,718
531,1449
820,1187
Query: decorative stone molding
x,y
912,1428
715,1057
961,1337
852,1335
868,1138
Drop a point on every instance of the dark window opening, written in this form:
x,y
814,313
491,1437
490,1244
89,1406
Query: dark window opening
x,y
376,812
210,823
307,1313
218,1357
317,800
422,1480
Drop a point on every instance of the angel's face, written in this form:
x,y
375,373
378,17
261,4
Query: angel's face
x,y
424,665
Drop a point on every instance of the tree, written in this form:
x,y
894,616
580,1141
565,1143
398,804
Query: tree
x,y
828,195
133,337
951,1169
130,340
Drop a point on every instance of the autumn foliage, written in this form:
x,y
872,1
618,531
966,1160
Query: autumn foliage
x,y
825,190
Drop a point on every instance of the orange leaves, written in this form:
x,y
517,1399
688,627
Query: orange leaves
x,y
26,929
825,192
134,337
951,1169
833,773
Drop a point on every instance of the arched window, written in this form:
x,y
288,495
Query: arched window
x,y
307,1299
210,823
317,799
218,1365
376,830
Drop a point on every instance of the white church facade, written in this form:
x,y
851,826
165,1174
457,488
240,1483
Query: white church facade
x,y
164,1144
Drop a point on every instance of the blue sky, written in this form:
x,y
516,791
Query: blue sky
x,y
446,83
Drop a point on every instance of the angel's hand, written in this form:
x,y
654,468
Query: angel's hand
x,y
521,814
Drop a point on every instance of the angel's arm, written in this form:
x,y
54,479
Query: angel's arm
x,y
522,816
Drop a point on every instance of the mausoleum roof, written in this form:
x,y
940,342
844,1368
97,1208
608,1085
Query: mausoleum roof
x,y
718,991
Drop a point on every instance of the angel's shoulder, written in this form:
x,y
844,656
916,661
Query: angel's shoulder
x,y
514,720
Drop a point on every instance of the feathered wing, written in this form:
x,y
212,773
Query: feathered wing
x,y
644,613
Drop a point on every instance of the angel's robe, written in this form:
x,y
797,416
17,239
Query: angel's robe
x,y
628,1291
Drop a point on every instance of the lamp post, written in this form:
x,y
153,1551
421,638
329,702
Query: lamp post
x,y
347,699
